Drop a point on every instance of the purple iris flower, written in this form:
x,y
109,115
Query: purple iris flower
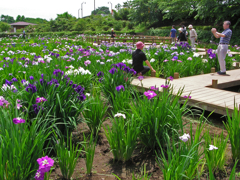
x,y
101,79
150,94
126,69
99,74
79,89
40,100
8,82
31,88
140,78
14,80
118,88
31,77
175,57
165,86
132,71
170,78
187,97
113,70
57,72
81,97
121,65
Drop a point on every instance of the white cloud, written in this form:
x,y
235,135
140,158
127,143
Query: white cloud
x,y
48,9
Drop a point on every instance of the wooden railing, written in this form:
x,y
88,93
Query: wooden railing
x,y
128,39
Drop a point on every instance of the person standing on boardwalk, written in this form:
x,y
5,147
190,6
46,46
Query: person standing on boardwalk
x,y
138,57
222,49
173,34
193,35
181,36
24,34
112,34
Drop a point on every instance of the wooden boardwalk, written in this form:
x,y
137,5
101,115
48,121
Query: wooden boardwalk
x,y
199,87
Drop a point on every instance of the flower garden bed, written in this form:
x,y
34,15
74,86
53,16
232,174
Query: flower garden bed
x,y
63,101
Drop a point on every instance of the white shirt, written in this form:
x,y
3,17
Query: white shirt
x,y
193,33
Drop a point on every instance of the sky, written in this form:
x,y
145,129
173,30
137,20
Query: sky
x,y
48,9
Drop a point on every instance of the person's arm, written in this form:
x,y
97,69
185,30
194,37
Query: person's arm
x,y
149,65
214,31
170,34
220,34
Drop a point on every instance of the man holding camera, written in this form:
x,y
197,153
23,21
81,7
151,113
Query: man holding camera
x,y
222,50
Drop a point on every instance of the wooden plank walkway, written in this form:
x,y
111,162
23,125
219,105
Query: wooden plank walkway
x,y
200,89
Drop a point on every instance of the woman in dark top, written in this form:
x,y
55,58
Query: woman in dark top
x,y
138,58
112,34
182,37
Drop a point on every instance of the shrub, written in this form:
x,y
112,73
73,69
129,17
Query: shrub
x,y
118,26
130,25
105,28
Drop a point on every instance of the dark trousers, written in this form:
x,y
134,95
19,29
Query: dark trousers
x,y
145,70
24,36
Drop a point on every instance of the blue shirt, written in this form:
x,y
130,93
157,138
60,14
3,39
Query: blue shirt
x,y
173,31
228,35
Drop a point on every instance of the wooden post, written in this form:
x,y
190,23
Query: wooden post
x,y
237,65
213,70
214,83
176,75
153,74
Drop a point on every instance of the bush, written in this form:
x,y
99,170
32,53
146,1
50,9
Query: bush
x,y
118,26
105,28
124,24
80,25
130,25
4,26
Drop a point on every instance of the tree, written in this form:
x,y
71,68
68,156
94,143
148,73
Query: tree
x,y
18,18
103,9
118,6
65,15
23,18
145,11
4,26
7,19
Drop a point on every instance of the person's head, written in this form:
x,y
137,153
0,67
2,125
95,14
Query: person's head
x,y
112,29
173,26
180,30
183,26
190,27
140,45
226,24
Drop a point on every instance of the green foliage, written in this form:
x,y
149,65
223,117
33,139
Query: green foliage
x,y
118,26
233,130
122,137
7,19
94,113
124,13
67,156
216,159
21,144
20,18
183,159
89,148
130,25
65,15
101,10
80,25
4,26
159,116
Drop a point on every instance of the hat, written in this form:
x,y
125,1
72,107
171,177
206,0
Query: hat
x,y
112,29
139,45
190,26
180,29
